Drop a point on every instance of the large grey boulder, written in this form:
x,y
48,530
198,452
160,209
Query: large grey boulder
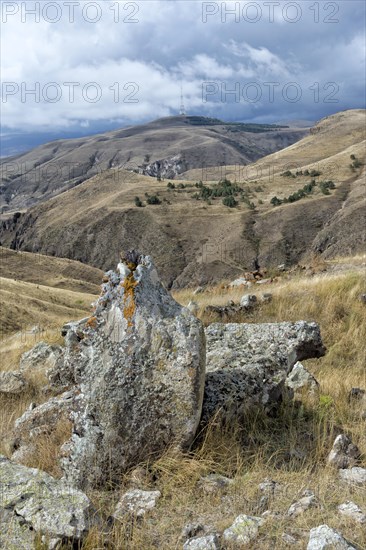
x,y
139,362
32,502
247,364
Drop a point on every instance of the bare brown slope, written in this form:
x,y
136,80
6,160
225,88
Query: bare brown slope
x,y
47,271
194,242
26,304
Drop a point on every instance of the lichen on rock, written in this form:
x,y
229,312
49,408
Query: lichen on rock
x,y
141,372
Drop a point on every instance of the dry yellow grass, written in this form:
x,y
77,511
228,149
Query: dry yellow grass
x,y
290,448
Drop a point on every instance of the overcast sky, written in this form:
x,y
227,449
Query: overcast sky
x,y
96,65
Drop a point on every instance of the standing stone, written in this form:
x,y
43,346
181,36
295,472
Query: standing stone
x,y
139,362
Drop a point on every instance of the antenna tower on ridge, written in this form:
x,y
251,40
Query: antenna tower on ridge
x,y
182,111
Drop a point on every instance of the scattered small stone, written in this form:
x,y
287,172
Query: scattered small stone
x,y
281,267
307,501
356,394
325,538
243,530
300,378
12,382
289,539
351,510
266,297
136,503
363,298
344,453
138,477
354,476
248,301
209,542
270,487
193,307
214,482
240,282
191,530
263,281
269,514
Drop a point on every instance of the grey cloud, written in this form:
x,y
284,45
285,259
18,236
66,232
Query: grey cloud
x,y
170,43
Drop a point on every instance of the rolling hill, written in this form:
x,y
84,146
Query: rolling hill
x,y
166,147
193,237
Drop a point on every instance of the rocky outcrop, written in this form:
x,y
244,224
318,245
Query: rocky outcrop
x,y
247,364
32,503
164,168
137,372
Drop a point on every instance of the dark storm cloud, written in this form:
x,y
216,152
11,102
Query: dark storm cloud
x,y
101,63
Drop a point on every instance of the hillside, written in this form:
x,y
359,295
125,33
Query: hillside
x,y
286,451
44,291
167,146
203,241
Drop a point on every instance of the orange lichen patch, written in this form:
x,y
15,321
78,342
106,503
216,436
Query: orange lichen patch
x,y
91,322
129,284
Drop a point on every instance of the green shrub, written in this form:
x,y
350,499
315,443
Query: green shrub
x,y
276,201
229,201
153,199
138,202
